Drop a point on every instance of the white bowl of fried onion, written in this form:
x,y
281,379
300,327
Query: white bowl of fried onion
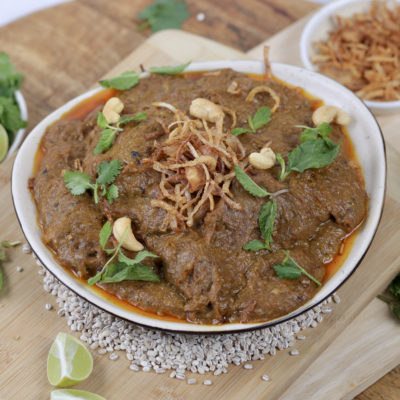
x,y
356,43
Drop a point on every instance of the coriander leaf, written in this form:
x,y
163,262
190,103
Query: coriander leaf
x,y
266,220
248,184
77,182
102,120
105,142
239,131
10,81
6,244
1,278
112,193
394,287
164,14
105,234
137,272
169,70
254,245
108,171
314,153
125,81
261,117
138,259
10,116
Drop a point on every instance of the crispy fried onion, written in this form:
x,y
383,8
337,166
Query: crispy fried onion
x,y
262,88
196,163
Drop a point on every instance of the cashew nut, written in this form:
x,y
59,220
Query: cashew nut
x,y
330,114
112,110
122,225
207,110
265,159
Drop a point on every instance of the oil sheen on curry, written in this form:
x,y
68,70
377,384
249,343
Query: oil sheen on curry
x,y
213,197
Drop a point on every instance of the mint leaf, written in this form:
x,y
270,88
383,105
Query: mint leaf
x,y
105,234
309,133
77,182
169,70
164,14
282,173
239,131
105,142
137,272
112,193
137,117
10,116
94,279
254,245
266,220
108,171
248,184
101,120
125,81
394,287
261,117
314,153
138,259
286,269
251,123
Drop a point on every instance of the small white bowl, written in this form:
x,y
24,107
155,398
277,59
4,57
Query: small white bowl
x,y
317,29
20,134
369,146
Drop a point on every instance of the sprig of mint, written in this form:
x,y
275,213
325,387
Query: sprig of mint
x,y
290,269
164,14
266,220
125,268
10,82
169,70
125,81
248,184
109,131
78,182
394,299
315,151
261,118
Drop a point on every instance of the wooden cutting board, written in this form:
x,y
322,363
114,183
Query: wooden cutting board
x,y
354,346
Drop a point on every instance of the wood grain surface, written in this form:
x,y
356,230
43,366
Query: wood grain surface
x,y
64,50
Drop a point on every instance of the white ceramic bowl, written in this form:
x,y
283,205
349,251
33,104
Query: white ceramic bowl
x,y
20,134
370,149
317,29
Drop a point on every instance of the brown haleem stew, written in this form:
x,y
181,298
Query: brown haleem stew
x,y
211,197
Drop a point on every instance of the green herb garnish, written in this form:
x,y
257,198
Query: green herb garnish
x,y
248,183
164,14
125,268
394,299
1,275
315,151
261,117
266,220
6,244
125,81
289,269
169,70
78,182
109,131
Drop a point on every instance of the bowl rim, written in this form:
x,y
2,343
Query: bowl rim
x,y
306,39
20,133
184,326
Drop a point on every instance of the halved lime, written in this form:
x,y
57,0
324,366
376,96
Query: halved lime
x,y
69,361
3,143
73,394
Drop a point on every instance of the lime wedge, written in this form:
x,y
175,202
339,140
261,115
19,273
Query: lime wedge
x,y
69,361
72,394
3,143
